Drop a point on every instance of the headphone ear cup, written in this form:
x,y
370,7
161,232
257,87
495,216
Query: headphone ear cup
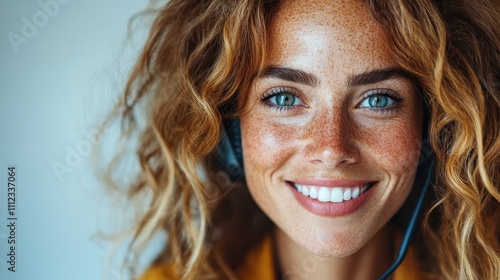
x,y
229,150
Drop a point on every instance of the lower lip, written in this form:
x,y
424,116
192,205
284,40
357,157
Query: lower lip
x,y
331,209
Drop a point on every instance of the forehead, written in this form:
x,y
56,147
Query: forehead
x,y
343,31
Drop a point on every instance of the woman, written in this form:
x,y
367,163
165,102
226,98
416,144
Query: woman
x,y
333,101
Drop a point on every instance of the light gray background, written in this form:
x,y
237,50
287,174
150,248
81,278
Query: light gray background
x,y
53,88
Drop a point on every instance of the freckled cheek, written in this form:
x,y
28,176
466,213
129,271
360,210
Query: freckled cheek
x,y
266,145
396,149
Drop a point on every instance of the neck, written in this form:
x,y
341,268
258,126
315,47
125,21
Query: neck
x,y
367,263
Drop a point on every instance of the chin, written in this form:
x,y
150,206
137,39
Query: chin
x,y
328,244
332,250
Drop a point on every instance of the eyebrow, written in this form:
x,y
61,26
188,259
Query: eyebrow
x,y
378,75
291,75
306,78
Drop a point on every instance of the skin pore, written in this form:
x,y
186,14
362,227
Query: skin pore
x,y
331,109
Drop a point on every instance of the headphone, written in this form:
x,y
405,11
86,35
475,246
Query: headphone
x,y
229,152
230,156
425,171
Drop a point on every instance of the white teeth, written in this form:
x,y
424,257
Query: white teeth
x,y
336,195
305,190
327,194
313,192
324,194
355,192
347,194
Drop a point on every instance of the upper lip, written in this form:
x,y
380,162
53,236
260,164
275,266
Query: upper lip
x,y
331,183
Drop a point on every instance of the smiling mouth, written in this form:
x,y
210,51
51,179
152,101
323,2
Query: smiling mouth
x,y
332,194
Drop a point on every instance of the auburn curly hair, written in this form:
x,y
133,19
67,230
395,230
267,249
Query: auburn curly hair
x,y
200,55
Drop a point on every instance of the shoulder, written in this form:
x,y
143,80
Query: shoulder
x,y
159,273
409,268
258,264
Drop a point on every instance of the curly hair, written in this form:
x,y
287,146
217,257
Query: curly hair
x,y
200,55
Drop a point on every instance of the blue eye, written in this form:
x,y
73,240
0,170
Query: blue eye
x,y
379,101
282,98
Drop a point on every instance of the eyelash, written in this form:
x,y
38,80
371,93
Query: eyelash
x,y
376,92
277,91
383,92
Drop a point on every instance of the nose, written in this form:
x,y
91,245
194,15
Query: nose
x,y
331,140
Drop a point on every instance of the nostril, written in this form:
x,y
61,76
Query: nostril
x,y
330,157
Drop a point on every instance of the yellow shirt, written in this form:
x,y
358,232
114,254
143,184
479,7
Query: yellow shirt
x,y
259,265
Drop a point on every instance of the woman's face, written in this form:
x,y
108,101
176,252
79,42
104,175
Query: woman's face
x,y
331,137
